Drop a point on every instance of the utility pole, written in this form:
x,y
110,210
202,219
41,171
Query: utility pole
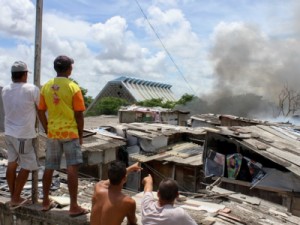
x,y
38,42
37,80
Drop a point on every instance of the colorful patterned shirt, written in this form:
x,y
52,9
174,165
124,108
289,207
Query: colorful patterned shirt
x,y
61,97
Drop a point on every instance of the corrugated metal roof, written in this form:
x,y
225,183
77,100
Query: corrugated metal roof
x,y
134,90
186,153
280,144
132,80
143,89
208,118
151,130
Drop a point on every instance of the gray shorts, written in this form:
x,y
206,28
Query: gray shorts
x,y
55,149
22,151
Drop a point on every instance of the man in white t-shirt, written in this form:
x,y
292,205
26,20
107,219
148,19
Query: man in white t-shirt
x,y
163,210
20,100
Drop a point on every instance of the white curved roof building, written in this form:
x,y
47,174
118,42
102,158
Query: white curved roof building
x,y
135,90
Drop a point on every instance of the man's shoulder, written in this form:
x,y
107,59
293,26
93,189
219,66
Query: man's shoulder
x,y
8,86
73,85
30,86
128,199
101,186
129,202
148,195
49,82
27,86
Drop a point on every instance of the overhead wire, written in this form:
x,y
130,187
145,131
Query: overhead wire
x,y
164,47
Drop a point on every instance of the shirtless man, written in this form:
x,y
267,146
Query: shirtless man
x,y
109,204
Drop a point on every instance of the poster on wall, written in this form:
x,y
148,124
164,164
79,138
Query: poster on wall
x,y
234,163
214,164
255,169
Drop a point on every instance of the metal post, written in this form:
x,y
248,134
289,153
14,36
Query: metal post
x,y
37,75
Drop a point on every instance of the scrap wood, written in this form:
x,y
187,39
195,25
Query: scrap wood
x,y
61,200
87,133
223,218
198,196
231,217
216,182
216,195
225,210
277,213
237,196
208,221
244,198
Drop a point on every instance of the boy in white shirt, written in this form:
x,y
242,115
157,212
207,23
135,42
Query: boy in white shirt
x,y
163,210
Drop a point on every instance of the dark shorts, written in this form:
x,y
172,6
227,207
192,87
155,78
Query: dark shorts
x,y
55,149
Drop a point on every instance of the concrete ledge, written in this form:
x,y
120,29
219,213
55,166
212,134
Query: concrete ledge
x,y
32,215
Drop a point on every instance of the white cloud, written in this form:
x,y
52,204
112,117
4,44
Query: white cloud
x,y
118,41
66,27
17,18
183,45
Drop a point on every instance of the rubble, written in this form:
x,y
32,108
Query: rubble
x,y
180,152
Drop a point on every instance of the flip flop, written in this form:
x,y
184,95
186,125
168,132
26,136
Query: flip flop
x,y
50,206
22,203
82,212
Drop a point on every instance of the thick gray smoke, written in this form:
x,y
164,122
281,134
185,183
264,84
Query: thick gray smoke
x,y
251,68
246,61
246,105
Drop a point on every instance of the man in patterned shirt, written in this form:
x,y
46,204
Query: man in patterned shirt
x,y
62,99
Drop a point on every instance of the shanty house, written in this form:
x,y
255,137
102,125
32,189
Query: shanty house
x,y
166,151
134,113
205,120
262,161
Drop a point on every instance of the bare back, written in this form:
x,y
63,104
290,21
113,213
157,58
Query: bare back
x,y
110,206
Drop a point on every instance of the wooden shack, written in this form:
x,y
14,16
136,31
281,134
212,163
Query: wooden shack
x,y
260,161
134,113
166,151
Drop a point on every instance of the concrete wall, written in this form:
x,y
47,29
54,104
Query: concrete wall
x,y
32,215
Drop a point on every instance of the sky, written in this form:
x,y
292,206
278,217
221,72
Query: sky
x,y
200,47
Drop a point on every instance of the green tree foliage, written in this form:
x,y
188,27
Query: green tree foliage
x,y
87,99
158,102
111,105
107,106
185,99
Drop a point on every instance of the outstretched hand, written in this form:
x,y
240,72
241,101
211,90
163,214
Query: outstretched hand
x,y
148,183
134,167
147,180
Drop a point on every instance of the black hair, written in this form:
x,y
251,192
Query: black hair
x,y
16,76
61,68
116,172
168,190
